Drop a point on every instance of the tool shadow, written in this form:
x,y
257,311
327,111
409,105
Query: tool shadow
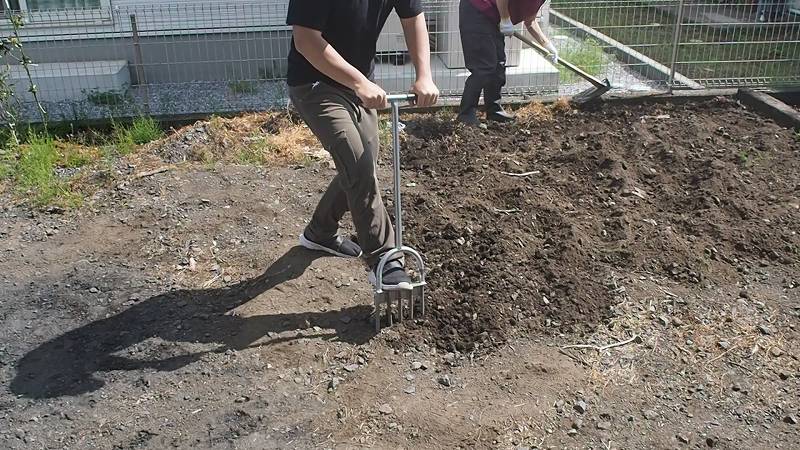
x,y
68,365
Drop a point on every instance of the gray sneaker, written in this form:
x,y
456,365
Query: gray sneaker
x,y
337,246
394,276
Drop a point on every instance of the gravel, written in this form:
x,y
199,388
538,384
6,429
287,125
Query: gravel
x,y
170,100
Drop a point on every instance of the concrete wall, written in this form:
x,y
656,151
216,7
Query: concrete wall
x,y
180,59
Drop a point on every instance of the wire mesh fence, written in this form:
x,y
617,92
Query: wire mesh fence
x,y
111,58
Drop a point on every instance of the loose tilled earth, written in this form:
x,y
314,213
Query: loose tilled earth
x,y
624,276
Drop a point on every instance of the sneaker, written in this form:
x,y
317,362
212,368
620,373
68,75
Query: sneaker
x,y
337,246
500,116
394,276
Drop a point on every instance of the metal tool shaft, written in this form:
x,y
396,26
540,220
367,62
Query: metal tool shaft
x,y
398,208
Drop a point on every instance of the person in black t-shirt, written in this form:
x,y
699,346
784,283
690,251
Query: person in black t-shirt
x,y
331,63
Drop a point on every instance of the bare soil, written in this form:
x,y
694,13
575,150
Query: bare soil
x,y
624,276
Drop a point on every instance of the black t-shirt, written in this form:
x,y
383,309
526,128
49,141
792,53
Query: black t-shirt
x,y
350,26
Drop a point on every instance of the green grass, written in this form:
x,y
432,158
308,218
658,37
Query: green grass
x,y
256,152
142,130
706,53
243,87
30,168
107,98
588,55
34,173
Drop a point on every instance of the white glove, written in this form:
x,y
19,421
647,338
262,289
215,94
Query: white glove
x,y
506,27
553,56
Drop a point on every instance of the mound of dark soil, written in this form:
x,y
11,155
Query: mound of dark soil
x,y
697,192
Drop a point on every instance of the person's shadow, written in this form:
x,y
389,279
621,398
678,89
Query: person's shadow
x,y
67,365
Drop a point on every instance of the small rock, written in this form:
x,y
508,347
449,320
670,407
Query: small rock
x,y
580,406
649,414
416,365
683,438
603,425
765,329
426,365
736,387
783,375
577,424
572,432
724,345
744,294
711,442
385,409
351,367
445,381
94,290
560,406
676,321
410,377
227,278
776,352
791,420
334,383
410,390
242,399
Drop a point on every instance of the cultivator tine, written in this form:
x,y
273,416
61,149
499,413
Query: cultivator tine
x,y
390,307
418,295
405,303
381,298
411,305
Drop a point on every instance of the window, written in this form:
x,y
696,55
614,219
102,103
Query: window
x,y
61,12
51,5
13,4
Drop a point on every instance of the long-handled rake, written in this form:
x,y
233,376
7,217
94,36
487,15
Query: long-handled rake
x,y
598,87
402,301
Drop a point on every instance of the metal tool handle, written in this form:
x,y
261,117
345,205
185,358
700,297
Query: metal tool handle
x,y
597,83
394,98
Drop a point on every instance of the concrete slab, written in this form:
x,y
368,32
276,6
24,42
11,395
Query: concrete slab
x,y
71,80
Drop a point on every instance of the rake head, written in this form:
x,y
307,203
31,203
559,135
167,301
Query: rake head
x,y
399,303
592,93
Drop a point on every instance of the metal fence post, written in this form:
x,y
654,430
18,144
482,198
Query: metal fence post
x,y
138,61
676,38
